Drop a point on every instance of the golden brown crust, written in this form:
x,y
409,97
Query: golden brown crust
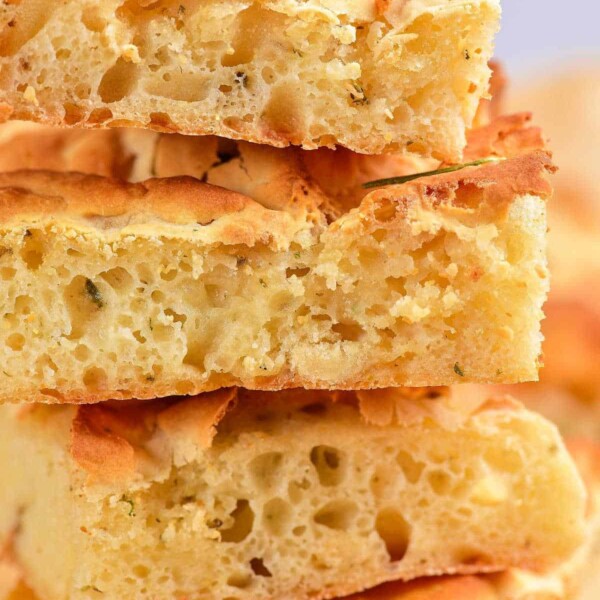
x,y
466,587
325,182
491,187
196,418
177,200
97,449
183,199
506,136
491,108
106,436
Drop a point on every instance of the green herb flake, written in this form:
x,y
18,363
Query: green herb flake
x,y
499,372
466,54
458,370
262,282
94,293
407,178
87,588
131,505
358,96
297,255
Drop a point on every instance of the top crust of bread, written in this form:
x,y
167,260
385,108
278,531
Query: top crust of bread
x,y
322,73
289,181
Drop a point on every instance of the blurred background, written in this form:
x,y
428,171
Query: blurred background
x,y
540,35
551,58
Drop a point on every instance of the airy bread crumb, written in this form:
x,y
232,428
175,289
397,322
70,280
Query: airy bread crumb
x,y
370,76
173,286
143,500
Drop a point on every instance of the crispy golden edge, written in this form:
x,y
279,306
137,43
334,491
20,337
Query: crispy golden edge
x,y
104,436
183,199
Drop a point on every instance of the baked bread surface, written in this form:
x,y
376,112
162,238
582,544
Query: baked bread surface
x,y
176,286
239,494
321,73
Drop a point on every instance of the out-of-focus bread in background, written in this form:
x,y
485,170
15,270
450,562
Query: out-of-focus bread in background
x,y
566,103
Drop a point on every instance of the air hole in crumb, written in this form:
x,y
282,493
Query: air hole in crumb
x,y
243,521
472,557
296,489
379,235
73,113
168,275
15,342
81,353
7,273
99,115
157,296
411,468
52,393
141,571
139,337
348,332
468,195
328,463
264,469
276,516
161,121
337,514
239,580
258,567
118,81
176,317
32,250
299,272
385,212
394,531
91,19
95,379
118,279
82,300
440,482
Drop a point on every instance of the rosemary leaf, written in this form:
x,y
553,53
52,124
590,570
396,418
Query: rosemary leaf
x,y
407,178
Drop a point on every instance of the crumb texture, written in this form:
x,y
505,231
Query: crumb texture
x,y
284,503
280,72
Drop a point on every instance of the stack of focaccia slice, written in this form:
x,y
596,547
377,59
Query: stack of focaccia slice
x,y
206,342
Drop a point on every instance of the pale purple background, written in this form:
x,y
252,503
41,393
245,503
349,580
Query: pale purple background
x,y
541,35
